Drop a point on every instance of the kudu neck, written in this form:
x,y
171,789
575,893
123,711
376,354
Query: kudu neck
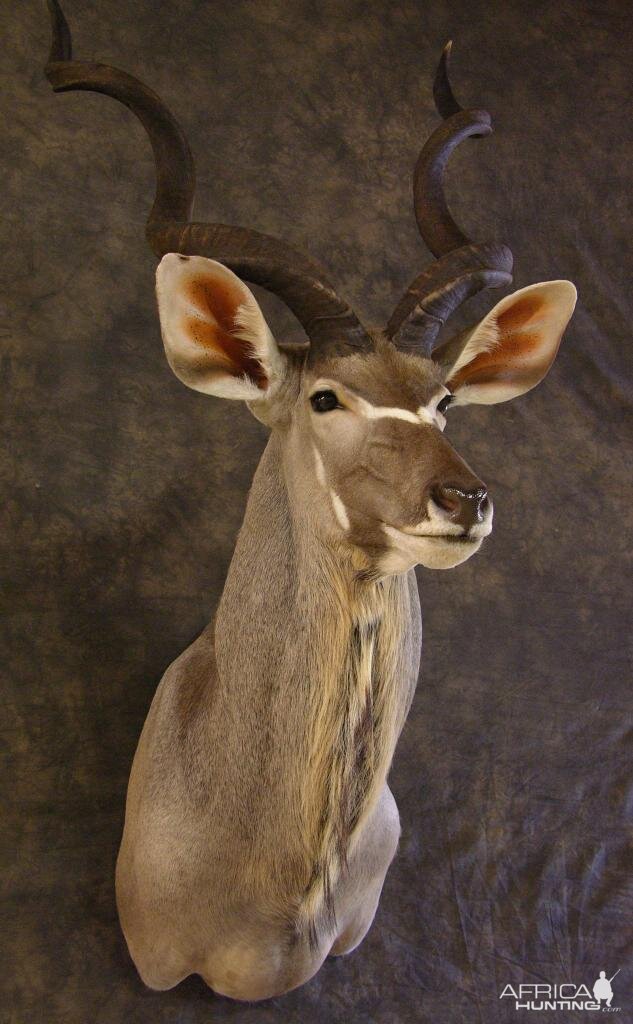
x,y
285,556
312,675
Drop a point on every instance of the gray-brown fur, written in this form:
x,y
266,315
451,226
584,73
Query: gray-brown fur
x,y
254,734
259,824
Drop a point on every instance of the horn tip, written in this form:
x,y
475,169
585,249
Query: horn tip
x,y
61,42
445,102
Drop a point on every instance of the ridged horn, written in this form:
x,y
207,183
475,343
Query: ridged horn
x,y
262,259
462,268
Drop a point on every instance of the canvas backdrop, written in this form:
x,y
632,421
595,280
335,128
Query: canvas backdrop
x,y
123,491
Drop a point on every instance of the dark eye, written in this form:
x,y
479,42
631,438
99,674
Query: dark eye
x,y
324,401
444,404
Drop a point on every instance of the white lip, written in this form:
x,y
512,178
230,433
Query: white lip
x,y
434,551
445,535
456,538
475,534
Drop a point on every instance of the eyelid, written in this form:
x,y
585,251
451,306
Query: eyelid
x,y
324,386
322,390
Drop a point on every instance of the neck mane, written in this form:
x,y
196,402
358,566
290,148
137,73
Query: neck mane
x,y
312,650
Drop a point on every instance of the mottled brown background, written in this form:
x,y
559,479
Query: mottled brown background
x,y
124,491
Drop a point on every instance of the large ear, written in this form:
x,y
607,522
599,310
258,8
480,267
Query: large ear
x,y
215,335
513,347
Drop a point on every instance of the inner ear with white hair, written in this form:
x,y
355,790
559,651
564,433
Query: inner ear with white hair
x,y
215,335
511,350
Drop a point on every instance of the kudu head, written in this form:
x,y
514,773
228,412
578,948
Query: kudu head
x,y
361,414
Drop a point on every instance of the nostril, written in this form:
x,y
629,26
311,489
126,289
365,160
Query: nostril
x,y
462,506
448,499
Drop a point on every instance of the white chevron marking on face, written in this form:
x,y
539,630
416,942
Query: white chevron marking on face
x,y
427,414
424,414
386,412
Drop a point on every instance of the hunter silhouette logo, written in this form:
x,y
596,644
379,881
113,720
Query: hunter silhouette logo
x,y
602,988
567,996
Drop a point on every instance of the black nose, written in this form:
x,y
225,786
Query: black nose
x,y
465,507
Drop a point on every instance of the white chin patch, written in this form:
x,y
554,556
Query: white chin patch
x,y
431,552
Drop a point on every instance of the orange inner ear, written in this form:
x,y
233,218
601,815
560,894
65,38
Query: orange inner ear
x,y
515,343
218,302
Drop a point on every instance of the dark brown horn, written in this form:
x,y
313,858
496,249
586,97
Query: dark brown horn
x,y
438,291
462,268
261,259
445,102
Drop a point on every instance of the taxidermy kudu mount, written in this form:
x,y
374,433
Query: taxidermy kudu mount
x,y
259,824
